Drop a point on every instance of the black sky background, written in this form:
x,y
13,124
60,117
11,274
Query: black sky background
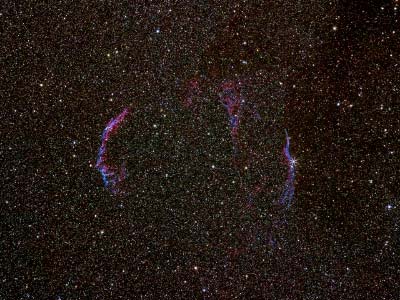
x,y
68,68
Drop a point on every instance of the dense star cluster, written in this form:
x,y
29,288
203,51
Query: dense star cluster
x,y
200,150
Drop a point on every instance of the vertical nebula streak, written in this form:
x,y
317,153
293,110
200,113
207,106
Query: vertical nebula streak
x,y
112,175
232,101
288,191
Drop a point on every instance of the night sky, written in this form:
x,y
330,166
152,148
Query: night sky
x,y
190,107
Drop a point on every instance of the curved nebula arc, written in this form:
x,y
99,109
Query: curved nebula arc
x,y
112,175
288,192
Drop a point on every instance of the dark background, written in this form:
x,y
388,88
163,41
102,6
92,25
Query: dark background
x,y
67,68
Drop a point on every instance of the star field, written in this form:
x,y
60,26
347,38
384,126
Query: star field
x,y
200,150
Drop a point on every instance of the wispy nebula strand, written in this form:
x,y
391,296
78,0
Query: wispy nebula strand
x,y
112,174
288,191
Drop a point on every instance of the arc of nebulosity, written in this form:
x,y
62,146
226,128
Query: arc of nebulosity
x,y
288,191
112,175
